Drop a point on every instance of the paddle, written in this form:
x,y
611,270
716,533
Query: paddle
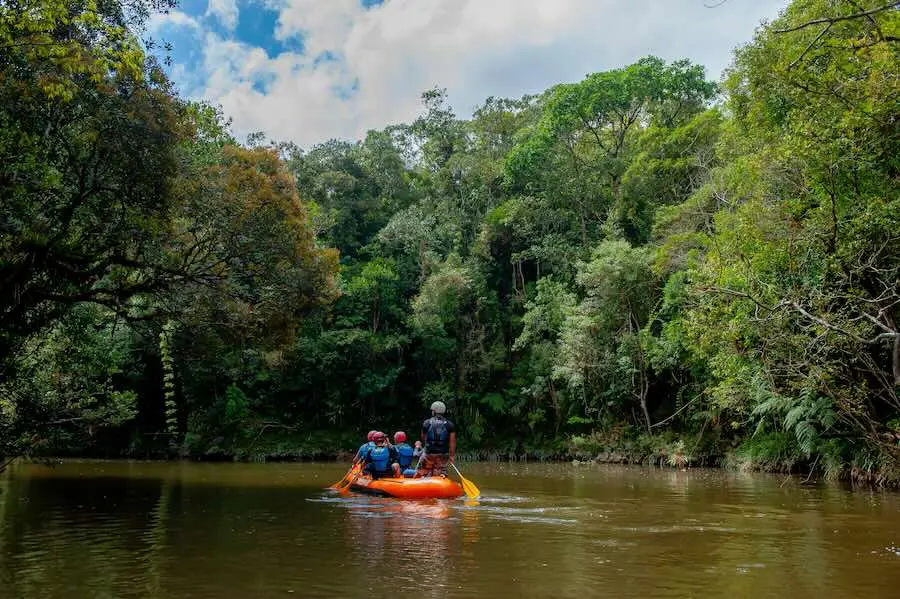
x,y
350,478
346,476
419,463
468,486
343,478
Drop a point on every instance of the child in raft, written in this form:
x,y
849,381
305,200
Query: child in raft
x,y
361,452
405,454
380,459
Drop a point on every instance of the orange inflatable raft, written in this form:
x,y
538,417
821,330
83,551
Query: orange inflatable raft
x,y
430,487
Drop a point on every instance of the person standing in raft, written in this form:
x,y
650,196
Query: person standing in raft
x,y
439,436
404,453
379,459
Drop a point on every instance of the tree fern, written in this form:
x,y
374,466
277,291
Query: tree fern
x,y
806,417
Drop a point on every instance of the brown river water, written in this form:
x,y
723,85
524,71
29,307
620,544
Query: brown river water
x,y
228,531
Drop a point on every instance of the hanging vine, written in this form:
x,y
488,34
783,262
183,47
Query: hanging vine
x,y
167,357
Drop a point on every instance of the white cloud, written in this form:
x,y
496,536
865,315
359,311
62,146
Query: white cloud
x,y
324,26
380,59
226,11
174,18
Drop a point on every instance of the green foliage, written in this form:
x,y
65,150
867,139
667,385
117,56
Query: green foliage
x,y
444,296
545,314
237,406
169,384
118,194
71,384
774,451
613,266
80,105
808,417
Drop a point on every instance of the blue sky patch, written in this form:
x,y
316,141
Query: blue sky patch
x,y
256,27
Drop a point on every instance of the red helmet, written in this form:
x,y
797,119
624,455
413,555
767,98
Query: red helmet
x,y
371,436
379,436
399,437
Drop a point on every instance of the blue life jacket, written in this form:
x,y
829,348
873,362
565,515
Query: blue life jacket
x,y
380,458
404,455
361,453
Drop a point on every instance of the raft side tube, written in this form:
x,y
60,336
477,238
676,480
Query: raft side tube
x,y
431,487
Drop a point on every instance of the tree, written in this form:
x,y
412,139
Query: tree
x,y
80,105
600,352
74,385
801,266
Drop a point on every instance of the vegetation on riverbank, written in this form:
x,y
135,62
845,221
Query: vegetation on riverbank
x,y
643,259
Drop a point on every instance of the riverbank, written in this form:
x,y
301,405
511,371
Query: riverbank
x,y
619,446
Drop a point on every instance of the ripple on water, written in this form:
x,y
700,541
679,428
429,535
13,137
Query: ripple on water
x,y
521,510
535,519
613,543
675,528
503,499
506,508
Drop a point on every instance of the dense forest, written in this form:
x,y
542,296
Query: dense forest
x,y
643,265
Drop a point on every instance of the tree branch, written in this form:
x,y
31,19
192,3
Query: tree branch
x,y
797,60
681,409
837,329
832,20
740,294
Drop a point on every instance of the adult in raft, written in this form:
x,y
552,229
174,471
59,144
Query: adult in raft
x,y
439,437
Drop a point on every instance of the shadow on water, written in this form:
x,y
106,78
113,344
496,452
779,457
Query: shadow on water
x,y
95,529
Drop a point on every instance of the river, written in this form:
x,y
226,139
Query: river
x,y
227,531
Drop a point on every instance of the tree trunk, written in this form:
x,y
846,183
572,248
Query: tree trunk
x,y
554,397
896,361
644,389
375,316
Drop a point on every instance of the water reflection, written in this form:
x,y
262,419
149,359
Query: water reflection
x,y
414,540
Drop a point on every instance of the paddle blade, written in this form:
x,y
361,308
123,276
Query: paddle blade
x,y
469,487
343,480
349,479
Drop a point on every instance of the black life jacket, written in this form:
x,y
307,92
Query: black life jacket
x,y
438,436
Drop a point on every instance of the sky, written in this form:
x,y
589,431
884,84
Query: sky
x,y
312,70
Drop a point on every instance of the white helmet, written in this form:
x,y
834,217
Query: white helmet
x,y
438,407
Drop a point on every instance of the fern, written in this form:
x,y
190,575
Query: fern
x,y
807,417
807,437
